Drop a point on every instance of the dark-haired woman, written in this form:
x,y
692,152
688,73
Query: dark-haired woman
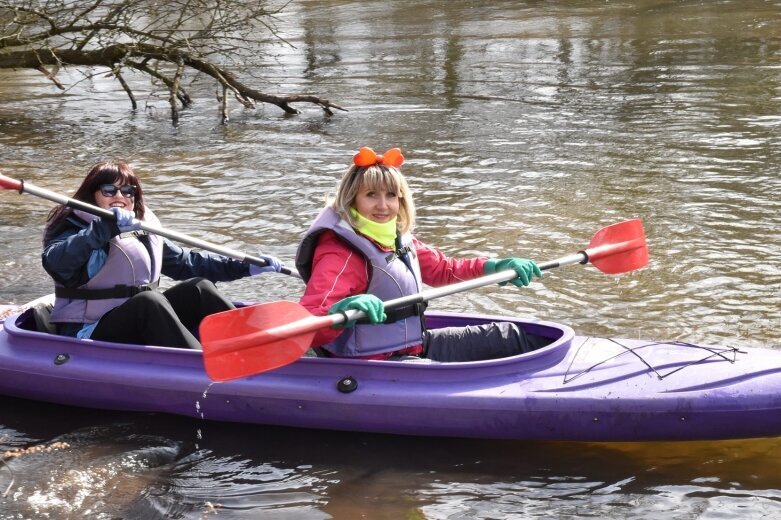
x,y
106,272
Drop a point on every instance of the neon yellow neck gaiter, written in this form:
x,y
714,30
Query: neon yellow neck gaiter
x,y
382,233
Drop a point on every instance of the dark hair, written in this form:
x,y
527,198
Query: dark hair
x,y
109,172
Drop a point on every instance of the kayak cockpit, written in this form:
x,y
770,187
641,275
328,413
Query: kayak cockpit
x,y
553,340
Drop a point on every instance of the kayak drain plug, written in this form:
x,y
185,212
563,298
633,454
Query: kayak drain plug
x,y
61,359
347,385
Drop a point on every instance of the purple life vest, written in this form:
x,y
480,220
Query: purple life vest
x,y
129,264
391,277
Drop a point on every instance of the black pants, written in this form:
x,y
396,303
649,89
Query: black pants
x,y
479,342
163,318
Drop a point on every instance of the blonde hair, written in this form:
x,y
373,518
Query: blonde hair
x,y
375,177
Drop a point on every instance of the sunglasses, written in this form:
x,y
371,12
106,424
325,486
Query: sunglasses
x,y
109,190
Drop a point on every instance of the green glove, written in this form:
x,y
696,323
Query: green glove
x,y
368,303
526,269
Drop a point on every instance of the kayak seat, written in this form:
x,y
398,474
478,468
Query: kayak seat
x,y
41,314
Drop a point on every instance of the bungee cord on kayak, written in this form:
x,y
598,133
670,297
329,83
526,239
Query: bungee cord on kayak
x,y
721,352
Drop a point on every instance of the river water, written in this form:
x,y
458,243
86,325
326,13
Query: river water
x,y
527,126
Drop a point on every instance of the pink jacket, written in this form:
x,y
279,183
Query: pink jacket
x,y
339,271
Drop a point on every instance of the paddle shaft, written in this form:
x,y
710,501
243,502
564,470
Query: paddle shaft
x,y
466,285
313,323
23,187
581,257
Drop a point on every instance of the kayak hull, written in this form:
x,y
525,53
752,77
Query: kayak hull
x,y
577,388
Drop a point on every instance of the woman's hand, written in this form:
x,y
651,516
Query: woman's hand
x,y
526,269
273,265
125,220
368,303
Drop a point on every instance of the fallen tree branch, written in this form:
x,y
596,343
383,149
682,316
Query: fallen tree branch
x,y
168,42
112,55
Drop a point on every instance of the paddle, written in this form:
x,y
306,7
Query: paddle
x,y
25,187
249,340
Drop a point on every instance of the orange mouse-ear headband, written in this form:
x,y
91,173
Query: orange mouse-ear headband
x,y
367,157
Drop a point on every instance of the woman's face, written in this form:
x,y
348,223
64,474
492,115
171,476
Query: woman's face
x,y
116,196
378,205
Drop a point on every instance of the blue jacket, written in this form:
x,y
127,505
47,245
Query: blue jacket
x,y
66,255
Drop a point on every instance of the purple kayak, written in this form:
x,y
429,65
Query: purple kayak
x,y
576,388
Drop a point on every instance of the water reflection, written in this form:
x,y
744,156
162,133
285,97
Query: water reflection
x,y
164,467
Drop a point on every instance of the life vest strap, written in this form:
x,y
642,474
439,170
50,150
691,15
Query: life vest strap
x,y
118,291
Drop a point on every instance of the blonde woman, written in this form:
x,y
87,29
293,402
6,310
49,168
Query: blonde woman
x,y
360,251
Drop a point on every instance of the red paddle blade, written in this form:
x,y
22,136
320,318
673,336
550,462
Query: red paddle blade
x,y
8,183
619,248
253,339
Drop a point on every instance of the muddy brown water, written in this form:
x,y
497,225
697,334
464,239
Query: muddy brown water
x,y
527,126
